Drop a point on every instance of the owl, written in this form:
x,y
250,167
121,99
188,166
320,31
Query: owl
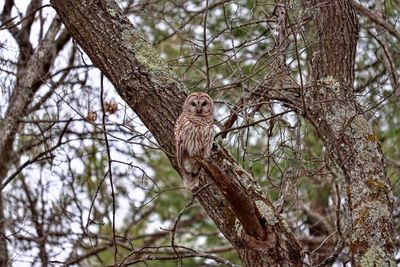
x,y
194,134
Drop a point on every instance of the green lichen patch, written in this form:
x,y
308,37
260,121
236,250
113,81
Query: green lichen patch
x,y
149,58
376,256
329,80
377,185
266,212
112,11
238,227
285,225
362,215
359,127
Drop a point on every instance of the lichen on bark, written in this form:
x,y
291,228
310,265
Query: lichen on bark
x,y
376,256
148,57
267,212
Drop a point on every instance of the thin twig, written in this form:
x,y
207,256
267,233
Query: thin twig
x,y
253,123
36,158
4,27
176,222
109,165
205,46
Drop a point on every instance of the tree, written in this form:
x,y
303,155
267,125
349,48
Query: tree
x,y
259,228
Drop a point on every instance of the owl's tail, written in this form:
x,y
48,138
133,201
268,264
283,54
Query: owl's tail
x,y
191,173
190,181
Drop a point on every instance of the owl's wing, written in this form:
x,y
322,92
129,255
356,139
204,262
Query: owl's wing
x,y
209,140
179,143
181,152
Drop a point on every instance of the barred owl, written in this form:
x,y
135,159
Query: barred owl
x,y
194,135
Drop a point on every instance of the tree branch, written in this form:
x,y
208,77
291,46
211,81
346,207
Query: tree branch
x,y
377,19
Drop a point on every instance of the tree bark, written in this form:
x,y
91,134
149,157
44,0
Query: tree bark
x,y
332,108
151,89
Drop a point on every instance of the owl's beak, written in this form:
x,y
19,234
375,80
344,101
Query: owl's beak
x,y
198,109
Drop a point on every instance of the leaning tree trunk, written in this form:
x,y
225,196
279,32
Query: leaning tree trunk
x,y
331,106
228,193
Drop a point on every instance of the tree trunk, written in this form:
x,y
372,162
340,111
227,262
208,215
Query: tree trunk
x,y
332,108
151,89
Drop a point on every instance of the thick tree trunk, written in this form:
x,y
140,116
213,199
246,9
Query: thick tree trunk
x,y
332,108
146,83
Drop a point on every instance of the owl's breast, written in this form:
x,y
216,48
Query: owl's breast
x,y
198,138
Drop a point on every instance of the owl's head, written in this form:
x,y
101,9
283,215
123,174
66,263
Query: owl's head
x,y
199,104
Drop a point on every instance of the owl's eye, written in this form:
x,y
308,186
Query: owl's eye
x,y
193,104
204,104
